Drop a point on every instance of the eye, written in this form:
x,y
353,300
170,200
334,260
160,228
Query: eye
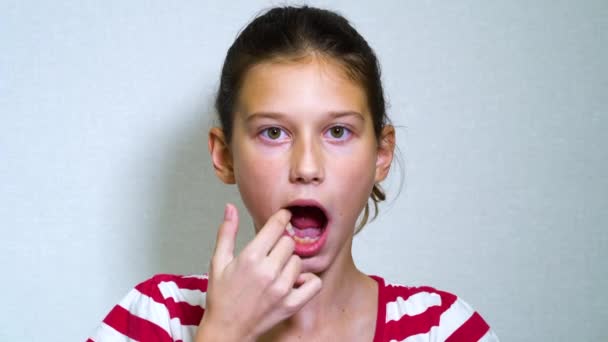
x,y
338,132
272,133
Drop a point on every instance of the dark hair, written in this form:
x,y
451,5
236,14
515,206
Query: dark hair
x,y
293,32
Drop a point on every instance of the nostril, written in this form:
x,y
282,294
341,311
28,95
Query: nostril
x,y
306,180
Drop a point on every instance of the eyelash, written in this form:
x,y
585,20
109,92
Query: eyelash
x,y
264,134
347,133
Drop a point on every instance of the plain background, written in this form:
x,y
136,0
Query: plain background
x,y
501,110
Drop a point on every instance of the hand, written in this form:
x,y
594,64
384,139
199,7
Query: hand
x,y
251,293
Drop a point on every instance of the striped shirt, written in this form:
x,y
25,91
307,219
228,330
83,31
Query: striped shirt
x,y
170,307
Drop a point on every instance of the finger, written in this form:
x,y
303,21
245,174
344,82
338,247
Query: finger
x,y
301,295
300,280
281,252
292,270
269,234
226,238
289,274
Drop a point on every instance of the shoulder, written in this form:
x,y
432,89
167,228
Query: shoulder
x,y
163,307
177,288
424,313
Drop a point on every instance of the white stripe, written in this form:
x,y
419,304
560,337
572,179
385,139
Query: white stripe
x,y
176,329
414,305
169,289
182,332
452,319
188,332
145,307
106,333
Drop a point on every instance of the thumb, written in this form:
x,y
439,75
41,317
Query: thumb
x,y
226,239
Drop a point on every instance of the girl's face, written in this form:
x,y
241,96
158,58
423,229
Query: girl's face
x,y
303,131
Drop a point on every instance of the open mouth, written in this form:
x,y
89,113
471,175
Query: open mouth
x,y
309,222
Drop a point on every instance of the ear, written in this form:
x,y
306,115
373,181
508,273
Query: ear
x,y
385,153
220,155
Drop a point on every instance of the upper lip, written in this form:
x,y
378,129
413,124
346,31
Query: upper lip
x,y
309,203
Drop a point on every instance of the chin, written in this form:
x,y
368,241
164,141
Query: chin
x,y
319,263
314,264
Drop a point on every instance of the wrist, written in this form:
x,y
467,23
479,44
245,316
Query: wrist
x,y
207,331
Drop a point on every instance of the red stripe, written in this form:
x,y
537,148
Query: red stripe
x,y
183,282
150,288
135,327
472,330
394,291
187,314
408,325
191,283
421,323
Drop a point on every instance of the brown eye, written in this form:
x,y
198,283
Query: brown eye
x,y
274,133
337,132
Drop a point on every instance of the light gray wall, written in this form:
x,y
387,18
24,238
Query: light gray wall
x,y
105,178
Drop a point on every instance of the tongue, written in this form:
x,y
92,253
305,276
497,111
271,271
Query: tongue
x,y
305,222
307,232
306,226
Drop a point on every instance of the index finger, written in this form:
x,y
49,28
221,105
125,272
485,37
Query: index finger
x,y
270,233
226,237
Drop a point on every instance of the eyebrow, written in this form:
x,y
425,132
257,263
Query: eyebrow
x,y
278,115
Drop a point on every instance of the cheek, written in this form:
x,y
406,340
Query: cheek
x,y
355,180
257,179
355,162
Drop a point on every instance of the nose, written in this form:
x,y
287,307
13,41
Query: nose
x,y
306,162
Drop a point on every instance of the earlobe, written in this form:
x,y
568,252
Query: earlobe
x,y
220,155
386,151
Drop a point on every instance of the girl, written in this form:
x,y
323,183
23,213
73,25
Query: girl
x,y
305,136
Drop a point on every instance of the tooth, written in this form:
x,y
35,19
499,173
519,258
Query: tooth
x,y
290,229
305,239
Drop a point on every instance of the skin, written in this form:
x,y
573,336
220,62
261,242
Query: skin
x,y
287,144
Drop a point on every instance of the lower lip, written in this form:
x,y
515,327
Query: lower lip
x,y
313,248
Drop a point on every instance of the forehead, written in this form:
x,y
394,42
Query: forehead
x,y
307,85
